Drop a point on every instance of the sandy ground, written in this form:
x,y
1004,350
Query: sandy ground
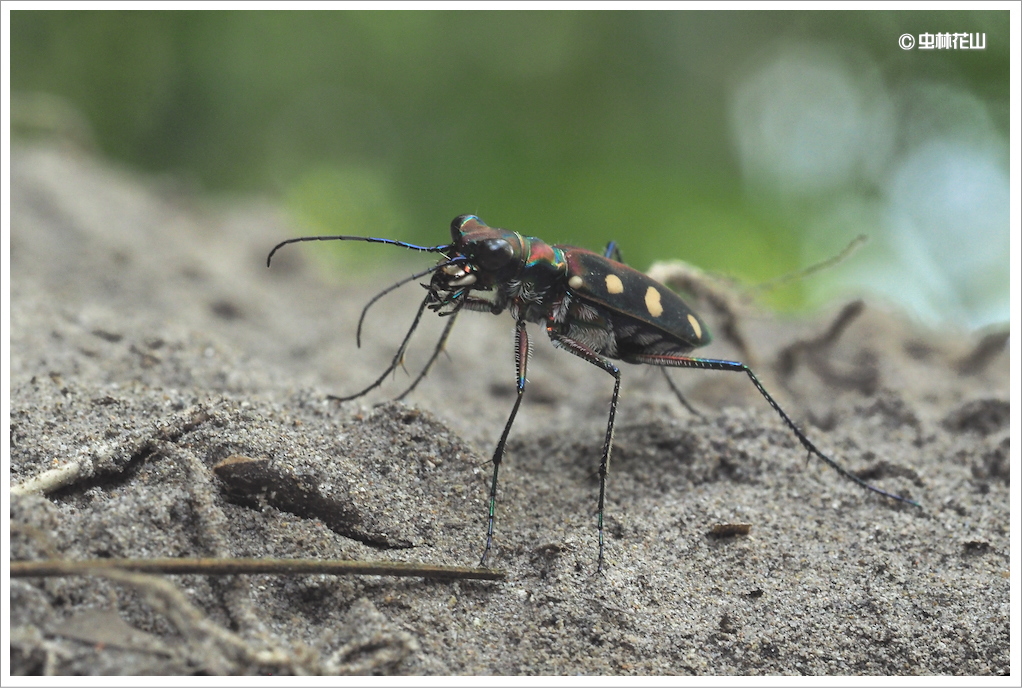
x,y
149,342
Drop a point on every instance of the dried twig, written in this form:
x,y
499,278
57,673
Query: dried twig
x,y
226,567
86,467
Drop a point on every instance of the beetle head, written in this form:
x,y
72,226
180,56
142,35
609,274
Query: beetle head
x,y
489,254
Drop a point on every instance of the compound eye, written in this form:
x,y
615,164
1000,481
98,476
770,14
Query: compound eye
x,y
493,254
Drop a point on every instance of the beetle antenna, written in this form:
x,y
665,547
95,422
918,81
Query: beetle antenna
x,y
840,257
371,240
406,280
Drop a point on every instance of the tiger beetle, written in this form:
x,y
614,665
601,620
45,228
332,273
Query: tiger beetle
x,y
593,306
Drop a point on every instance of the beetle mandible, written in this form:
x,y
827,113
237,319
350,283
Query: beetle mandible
x,y
592,306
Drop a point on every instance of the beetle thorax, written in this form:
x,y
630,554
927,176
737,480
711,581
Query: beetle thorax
x,y
540,282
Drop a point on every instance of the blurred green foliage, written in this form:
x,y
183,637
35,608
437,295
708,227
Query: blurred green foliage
x,y
578,127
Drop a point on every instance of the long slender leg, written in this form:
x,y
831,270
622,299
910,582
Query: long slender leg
x,y
521,363
467,303
738,367
429,364
395,362
679,395
406,280
612,251
588,354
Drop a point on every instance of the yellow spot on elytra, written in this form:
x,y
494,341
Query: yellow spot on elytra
x,y
576,282
653,304
695,326
614,285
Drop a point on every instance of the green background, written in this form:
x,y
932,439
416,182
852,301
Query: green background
x,y
577,127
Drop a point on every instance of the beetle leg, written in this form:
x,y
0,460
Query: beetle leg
x,y
677,393
588,354
483,305
365,309
612,251
468,302
429,364
738,367
521,363
395,362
